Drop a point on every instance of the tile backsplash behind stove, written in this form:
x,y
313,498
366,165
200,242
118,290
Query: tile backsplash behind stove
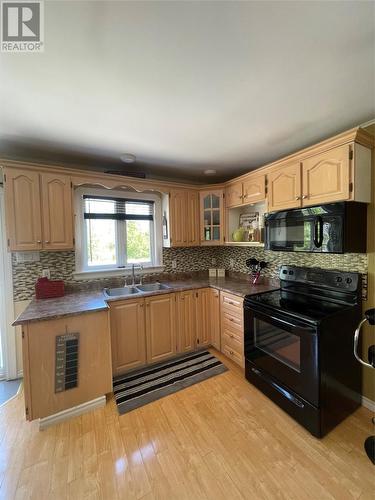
x,y
62,264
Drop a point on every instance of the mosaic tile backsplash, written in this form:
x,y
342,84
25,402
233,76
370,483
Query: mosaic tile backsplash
x,y
62,264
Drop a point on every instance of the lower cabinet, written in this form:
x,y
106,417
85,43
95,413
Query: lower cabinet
x,y
152,329
215,318
160,327
128,336
186,321
203,317
232,329
82,344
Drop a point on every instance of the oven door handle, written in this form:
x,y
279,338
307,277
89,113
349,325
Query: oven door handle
x,y
292,325
280,389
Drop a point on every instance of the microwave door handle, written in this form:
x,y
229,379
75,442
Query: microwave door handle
x,y
318,231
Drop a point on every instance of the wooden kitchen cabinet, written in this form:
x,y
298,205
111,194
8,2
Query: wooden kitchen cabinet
x,y
212,217
193,218
160,327
203,317
184,218
325,177
23,209
251,190
186,319
254,189
38,210
39,354
284,187
231,326
215,318
57,212
233,194
128,335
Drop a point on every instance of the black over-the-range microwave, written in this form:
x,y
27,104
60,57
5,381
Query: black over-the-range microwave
x,y
332,228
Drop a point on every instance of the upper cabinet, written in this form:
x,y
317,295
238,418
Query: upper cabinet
x,y
254,188
233,194
251,190
23,209
338,174
284,187
325,177
57,212
184,217
212,217
38,210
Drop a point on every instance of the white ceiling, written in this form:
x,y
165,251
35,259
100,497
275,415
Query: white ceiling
x,y
187,86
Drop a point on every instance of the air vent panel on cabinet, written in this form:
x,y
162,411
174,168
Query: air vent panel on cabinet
x,y
66,366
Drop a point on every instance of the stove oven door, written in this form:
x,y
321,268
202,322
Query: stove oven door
x,y
284,348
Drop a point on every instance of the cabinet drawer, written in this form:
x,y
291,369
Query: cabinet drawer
x,y
233,355
232,303
232,320
231,341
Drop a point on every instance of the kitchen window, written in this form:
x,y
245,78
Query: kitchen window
x,y
116,230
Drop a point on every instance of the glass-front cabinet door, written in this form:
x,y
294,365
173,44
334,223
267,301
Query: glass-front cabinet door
x,y
212,217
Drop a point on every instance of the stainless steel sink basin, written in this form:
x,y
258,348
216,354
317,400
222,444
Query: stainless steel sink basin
x,y
152,287
119,292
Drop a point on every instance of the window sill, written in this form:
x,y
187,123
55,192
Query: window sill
x,y
112,273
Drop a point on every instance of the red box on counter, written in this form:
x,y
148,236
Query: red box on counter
x,y
49,289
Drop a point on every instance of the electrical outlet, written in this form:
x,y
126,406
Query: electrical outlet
x,y
213,261
174,264
46,273
231,262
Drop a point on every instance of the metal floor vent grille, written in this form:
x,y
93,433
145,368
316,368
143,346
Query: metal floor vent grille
x,y
67,357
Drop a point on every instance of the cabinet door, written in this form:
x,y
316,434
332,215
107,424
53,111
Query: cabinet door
x,y
325,177
178,218
284,187
57,212
212,217
233,195
254,189
202,308
23,213
193,218
160,327
187,333
128,336
215,318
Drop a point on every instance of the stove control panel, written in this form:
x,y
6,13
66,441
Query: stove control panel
x,y
320,277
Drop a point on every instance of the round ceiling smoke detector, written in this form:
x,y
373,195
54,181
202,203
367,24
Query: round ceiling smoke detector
x,y
127,158
209,171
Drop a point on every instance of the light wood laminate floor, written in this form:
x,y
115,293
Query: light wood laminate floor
x,y
220,439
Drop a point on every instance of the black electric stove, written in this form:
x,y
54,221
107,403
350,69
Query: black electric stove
x,y
298,345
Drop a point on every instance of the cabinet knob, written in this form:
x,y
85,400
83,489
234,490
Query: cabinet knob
x,y
47,241
140,305
245,195
304,196
39,242
298,197
231,352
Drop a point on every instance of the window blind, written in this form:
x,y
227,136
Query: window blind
x,y
101,207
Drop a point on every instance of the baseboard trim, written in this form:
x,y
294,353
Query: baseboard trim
x,y
368,403
75,411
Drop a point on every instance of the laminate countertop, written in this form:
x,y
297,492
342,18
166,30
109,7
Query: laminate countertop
x,y
81,302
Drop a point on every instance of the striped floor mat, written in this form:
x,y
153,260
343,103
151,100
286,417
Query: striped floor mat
x,y
154,382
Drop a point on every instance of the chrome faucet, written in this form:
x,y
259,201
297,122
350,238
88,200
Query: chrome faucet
x,y
140,267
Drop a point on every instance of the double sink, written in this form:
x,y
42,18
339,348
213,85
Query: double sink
x,y
131,290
